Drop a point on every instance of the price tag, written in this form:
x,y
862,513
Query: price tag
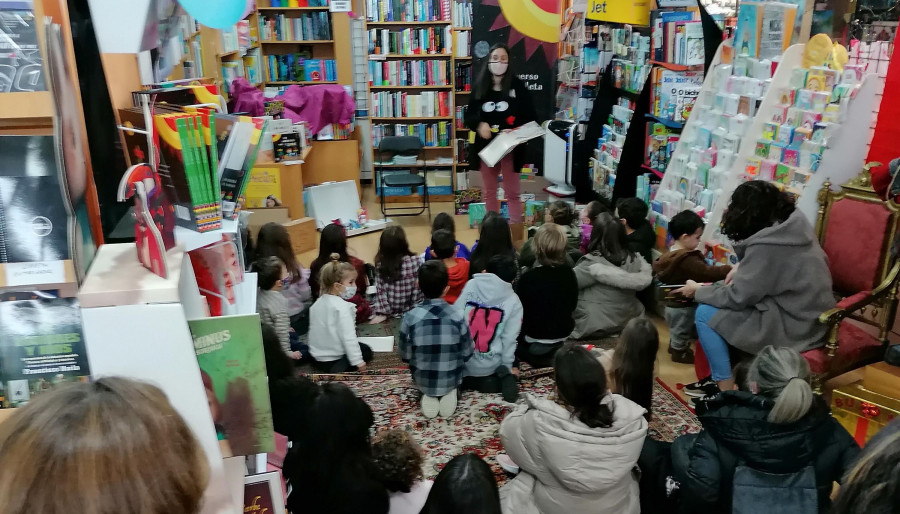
x,y
32,273
340,6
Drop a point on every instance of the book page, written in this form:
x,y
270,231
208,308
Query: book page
x,y
504,142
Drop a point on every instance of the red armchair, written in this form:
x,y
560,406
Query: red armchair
x,y
856,228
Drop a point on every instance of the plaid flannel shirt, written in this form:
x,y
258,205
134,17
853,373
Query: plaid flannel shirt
x,y
435,341
401,295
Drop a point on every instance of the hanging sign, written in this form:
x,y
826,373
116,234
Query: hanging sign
x,y
634,12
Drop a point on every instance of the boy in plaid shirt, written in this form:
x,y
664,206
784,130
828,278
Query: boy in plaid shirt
x,y
435,341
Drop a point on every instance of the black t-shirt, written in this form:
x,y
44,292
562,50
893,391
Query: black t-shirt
x,y
500,110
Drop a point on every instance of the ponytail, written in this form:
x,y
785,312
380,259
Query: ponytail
x,y
782,375
333,272
581,384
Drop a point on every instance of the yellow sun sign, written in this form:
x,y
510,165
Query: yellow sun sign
x,y
533,18
634,12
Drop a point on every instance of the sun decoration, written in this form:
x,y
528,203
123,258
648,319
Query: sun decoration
x,y
536,22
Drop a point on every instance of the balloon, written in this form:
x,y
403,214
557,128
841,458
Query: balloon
x,y
538,19
218,14
817,50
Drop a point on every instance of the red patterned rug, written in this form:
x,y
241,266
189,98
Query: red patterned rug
x,y
394,400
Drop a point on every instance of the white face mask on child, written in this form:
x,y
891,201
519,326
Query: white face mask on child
x,y
348,292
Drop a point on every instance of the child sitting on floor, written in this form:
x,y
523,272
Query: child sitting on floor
x,y
271,304
396,269
685,262
332,327
444,247
494,314
434,340
399,460
274,241
549,295
444,221
334,240
562,214
631,366
640,235
588,216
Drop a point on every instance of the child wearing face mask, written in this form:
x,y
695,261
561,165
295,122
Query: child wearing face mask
x,y
500,102
332,327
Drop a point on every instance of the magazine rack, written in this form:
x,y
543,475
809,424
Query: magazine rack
x,y
135,325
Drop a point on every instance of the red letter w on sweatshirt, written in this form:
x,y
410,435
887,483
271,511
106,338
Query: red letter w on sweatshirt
x,y
483,324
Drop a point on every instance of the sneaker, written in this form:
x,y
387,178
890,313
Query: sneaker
x,y
703,399
431,406
448,404
685,356
703,387
507,463
509,388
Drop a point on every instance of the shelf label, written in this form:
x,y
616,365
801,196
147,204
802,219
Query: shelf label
x,y
633,12
340,6
28,273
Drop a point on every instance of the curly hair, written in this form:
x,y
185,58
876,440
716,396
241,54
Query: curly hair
x,y
398,459
755,205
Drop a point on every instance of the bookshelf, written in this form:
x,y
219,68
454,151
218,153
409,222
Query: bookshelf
x,y
413,54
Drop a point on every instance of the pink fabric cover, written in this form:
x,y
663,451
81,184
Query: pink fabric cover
x,y
318,105
855,344
853,240
246,98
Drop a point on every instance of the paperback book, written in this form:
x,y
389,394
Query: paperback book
x,y
21,64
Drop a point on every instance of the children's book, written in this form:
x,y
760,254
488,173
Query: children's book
x,y
21,65
746,33
693,43
777,26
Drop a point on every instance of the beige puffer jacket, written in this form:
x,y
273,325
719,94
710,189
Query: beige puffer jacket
x,y
568,467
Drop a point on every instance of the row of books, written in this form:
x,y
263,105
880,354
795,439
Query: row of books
x,y
463,75
299,68
408,10
410,73
463,44
677,37
461,116
431,134
673,93
236,37
462,14
425,104
298,3
306,27
418,41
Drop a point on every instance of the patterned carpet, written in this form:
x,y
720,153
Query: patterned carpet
x,y
394,400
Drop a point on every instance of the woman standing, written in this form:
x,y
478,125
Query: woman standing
x,y
500,102
777,292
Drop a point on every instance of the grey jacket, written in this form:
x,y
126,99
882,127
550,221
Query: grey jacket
x,y
568,467
781,287
606,294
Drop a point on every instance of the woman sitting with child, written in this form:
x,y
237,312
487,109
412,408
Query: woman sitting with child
x,y
609,277
576,454
776,293
774,425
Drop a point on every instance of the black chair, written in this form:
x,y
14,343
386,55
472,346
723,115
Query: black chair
x,y
405,146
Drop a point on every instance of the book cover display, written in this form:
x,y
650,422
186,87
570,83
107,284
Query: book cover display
x,y
154,229
21,65
237,143
219,268
230,354
42,345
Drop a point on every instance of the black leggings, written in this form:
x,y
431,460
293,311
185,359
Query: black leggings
x,y
343,364
539,355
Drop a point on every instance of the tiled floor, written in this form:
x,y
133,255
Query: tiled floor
x,y
418,231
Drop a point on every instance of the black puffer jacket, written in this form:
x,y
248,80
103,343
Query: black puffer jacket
x,y
736,429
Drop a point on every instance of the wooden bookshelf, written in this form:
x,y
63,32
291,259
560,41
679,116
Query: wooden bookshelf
x,y
408,23
381,57
388,88
299,42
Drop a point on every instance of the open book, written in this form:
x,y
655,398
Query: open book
x,y
504,143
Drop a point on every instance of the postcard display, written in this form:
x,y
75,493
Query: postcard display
x,y
794,144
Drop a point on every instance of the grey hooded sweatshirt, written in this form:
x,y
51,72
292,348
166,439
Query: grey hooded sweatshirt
x,y
781,287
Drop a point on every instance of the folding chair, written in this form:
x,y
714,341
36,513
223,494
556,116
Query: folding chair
x,y
406,156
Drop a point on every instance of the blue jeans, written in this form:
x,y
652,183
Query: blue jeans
x,y
714,346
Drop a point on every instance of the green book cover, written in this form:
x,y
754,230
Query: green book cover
x,y
214,160
202,163
190,171
230,354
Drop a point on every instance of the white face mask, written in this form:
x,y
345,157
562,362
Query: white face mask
x,y
498,68
348,292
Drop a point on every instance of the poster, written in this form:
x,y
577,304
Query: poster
x,y
634,12
263,182
230,354
263,494
42,345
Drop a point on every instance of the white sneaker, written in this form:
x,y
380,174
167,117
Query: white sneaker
x,y
430,406
507,463
448,404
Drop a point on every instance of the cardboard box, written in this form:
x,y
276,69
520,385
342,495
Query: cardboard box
x,y
882,378
862,412
261,216
304,236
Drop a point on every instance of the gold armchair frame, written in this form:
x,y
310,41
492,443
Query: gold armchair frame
x,y
879,308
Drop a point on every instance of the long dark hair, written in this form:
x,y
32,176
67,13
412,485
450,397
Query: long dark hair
x,y
332,240
581,384
871,485
755,205
336,444
494,239
274,241
608,240
392,248
485,81
466,485
443,221
633,361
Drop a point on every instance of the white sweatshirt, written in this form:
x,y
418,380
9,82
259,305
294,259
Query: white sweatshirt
x,y
332,330
494,313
